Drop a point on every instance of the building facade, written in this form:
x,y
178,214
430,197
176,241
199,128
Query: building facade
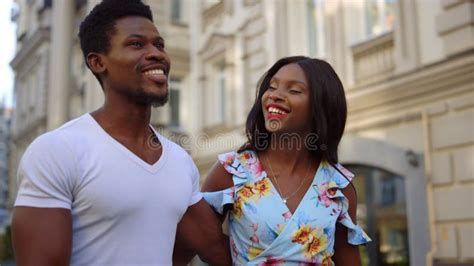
x,y
407,67
4,153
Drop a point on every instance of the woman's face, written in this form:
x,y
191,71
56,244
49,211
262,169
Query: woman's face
x,y
286,103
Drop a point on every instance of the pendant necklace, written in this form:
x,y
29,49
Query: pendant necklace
x,y
277,186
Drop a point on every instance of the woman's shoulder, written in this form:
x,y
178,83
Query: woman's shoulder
x,y
217,179
241,164
337,174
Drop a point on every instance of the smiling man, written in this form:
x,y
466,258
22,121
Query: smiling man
x,y
106,188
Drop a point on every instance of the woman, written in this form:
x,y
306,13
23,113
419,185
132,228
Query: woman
x,y
287,198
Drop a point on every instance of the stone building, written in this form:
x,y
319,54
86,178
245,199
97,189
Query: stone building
x,y
4,152
407,67
408,71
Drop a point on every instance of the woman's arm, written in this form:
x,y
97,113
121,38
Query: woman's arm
x,y
345,253
217,179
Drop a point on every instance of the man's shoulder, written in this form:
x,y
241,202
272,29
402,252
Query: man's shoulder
x,y
77,124
58,138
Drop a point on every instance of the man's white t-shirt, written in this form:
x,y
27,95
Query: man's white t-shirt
x,y
124,210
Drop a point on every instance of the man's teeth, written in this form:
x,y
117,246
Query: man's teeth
x,y
276,111
155,72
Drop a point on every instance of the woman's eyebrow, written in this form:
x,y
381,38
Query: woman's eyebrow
x,y
290,81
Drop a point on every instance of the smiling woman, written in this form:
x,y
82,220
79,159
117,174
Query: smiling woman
x,y
289,202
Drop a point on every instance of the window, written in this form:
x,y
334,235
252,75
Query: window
x,y
315,15
176,10
388,191
175,88
215,95
220,92
382,213
380,15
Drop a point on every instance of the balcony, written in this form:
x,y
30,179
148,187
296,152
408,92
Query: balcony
x,y
374,59
213,15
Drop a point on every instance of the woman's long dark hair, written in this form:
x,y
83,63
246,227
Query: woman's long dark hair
x,y
327,103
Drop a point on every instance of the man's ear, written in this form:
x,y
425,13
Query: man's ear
x,y
96,63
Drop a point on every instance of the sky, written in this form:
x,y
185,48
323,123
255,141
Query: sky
x,y
7,51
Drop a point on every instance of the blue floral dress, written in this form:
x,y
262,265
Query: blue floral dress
x,y
263,231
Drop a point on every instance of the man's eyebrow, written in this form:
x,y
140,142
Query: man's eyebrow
x,y
135,35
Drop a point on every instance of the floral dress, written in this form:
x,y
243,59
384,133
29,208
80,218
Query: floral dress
x,y
263,231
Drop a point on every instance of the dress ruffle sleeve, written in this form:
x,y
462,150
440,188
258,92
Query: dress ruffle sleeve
x,y
234,164
340,179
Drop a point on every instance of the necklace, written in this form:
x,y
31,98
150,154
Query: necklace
x,y
277,186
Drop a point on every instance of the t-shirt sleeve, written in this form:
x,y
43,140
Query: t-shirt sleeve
x,y
196,193
45,174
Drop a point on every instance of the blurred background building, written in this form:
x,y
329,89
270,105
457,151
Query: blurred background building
x,y
408,71
4,152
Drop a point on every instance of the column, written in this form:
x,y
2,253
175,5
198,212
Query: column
x,y
59,70
195,74
406,48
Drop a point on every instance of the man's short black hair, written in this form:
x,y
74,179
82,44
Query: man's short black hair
x,y
98,26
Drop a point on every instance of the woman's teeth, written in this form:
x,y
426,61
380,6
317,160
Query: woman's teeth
x,y
276,111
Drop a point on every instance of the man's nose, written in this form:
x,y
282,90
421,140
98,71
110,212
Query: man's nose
x,y
154,53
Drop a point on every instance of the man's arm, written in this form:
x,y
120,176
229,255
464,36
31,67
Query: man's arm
x,y
200,231
41,236
41,223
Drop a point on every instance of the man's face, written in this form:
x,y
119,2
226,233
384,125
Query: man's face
x,y
137,65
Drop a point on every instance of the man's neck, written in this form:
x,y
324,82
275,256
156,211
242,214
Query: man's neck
x,y
124,119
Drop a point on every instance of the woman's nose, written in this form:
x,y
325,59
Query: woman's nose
x,y
276,95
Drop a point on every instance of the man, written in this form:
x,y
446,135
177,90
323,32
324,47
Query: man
x,y
106,188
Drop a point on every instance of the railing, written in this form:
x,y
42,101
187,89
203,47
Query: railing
x,y
212,14
374,59
177,37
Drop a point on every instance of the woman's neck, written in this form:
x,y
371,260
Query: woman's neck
x,y
289,152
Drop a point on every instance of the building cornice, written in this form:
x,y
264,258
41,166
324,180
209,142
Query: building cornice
x,y
213,44
426,80
405,97
29,45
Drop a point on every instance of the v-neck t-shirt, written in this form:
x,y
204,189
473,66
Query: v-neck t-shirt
x,y
124,210
263,231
